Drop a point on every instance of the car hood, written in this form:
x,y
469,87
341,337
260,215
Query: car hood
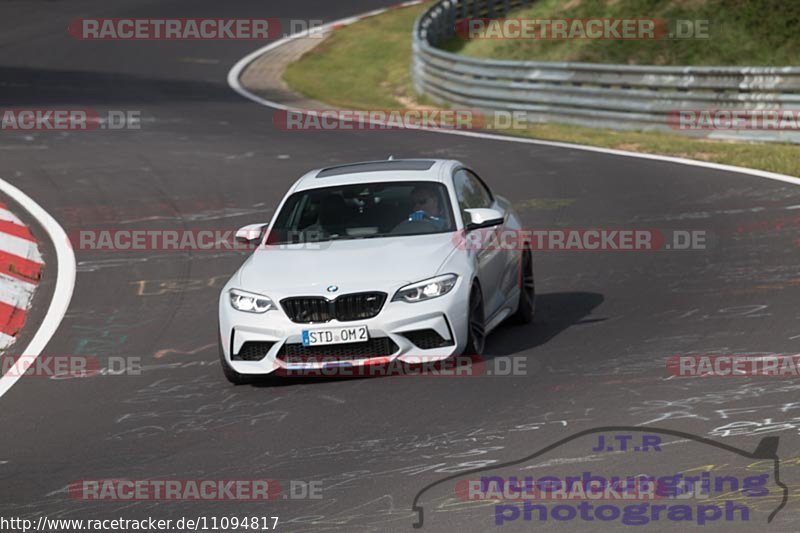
x,y
351,265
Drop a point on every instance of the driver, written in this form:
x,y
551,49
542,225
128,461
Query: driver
x,y
427,205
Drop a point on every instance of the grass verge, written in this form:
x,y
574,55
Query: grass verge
x,y
739,33
367,66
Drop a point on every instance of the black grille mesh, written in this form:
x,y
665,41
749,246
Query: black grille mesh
x,y
253,351
306,310
359,306
345,308
426,339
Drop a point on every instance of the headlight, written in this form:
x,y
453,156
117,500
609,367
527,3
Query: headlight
x,y
427,289
250,302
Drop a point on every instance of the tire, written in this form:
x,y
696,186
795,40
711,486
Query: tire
x,y
527,294
230,374
476,332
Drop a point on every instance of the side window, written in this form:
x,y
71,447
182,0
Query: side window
x,y
471,191
488,198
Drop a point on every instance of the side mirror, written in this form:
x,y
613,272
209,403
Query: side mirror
x,y
250,233
483,218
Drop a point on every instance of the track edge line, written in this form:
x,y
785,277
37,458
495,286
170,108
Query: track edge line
x,y
62,293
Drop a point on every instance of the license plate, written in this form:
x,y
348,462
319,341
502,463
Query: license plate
x,y
322,337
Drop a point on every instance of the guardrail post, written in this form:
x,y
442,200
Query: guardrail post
x,y
441,31
464,10
452,19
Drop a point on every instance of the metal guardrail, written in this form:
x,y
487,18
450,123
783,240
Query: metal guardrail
x,y
591,94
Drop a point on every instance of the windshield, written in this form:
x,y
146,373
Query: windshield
x,y
365,210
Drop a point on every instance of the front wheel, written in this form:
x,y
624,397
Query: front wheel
x,y
527,292
476,329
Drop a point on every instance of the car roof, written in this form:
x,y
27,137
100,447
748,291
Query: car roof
x,y
377,171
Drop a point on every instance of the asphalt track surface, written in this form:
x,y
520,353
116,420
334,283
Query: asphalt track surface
x,y
207,158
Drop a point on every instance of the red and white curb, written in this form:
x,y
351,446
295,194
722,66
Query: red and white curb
x,y
20,270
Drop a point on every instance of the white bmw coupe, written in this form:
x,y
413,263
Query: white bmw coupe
x,y
368,261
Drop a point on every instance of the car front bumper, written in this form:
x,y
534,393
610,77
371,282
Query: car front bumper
x,y
447,315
